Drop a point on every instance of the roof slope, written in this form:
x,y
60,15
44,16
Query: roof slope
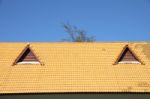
x,y
74,67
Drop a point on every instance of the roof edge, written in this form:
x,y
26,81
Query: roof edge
x,y
85,42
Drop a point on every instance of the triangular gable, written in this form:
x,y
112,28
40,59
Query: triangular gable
x,y
27,57
127,56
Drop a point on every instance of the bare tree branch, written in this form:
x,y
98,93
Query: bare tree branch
x,y
77,35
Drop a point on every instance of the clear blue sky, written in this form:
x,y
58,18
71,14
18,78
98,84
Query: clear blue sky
x,y
107,20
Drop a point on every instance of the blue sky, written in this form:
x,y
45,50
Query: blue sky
x,y
41,20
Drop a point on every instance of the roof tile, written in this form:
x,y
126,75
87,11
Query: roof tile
x,y
74,67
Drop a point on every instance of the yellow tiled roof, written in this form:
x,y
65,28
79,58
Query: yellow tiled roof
x,y
74,67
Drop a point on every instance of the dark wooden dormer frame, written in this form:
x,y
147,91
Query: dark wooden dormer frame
x,y
23,51
120,55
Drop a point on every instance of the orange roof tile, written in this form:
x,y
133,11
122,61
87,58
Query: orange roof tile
x,y
74,67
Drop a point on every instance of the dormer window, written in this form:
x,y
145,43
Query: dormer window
x,y
27,57
128,57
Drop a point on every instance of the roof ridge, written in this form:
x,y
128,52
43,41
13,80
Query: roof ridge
x,y
86,42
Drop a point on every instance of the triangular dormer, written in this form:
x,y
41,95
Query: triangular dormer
x,y
128,57
27,57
